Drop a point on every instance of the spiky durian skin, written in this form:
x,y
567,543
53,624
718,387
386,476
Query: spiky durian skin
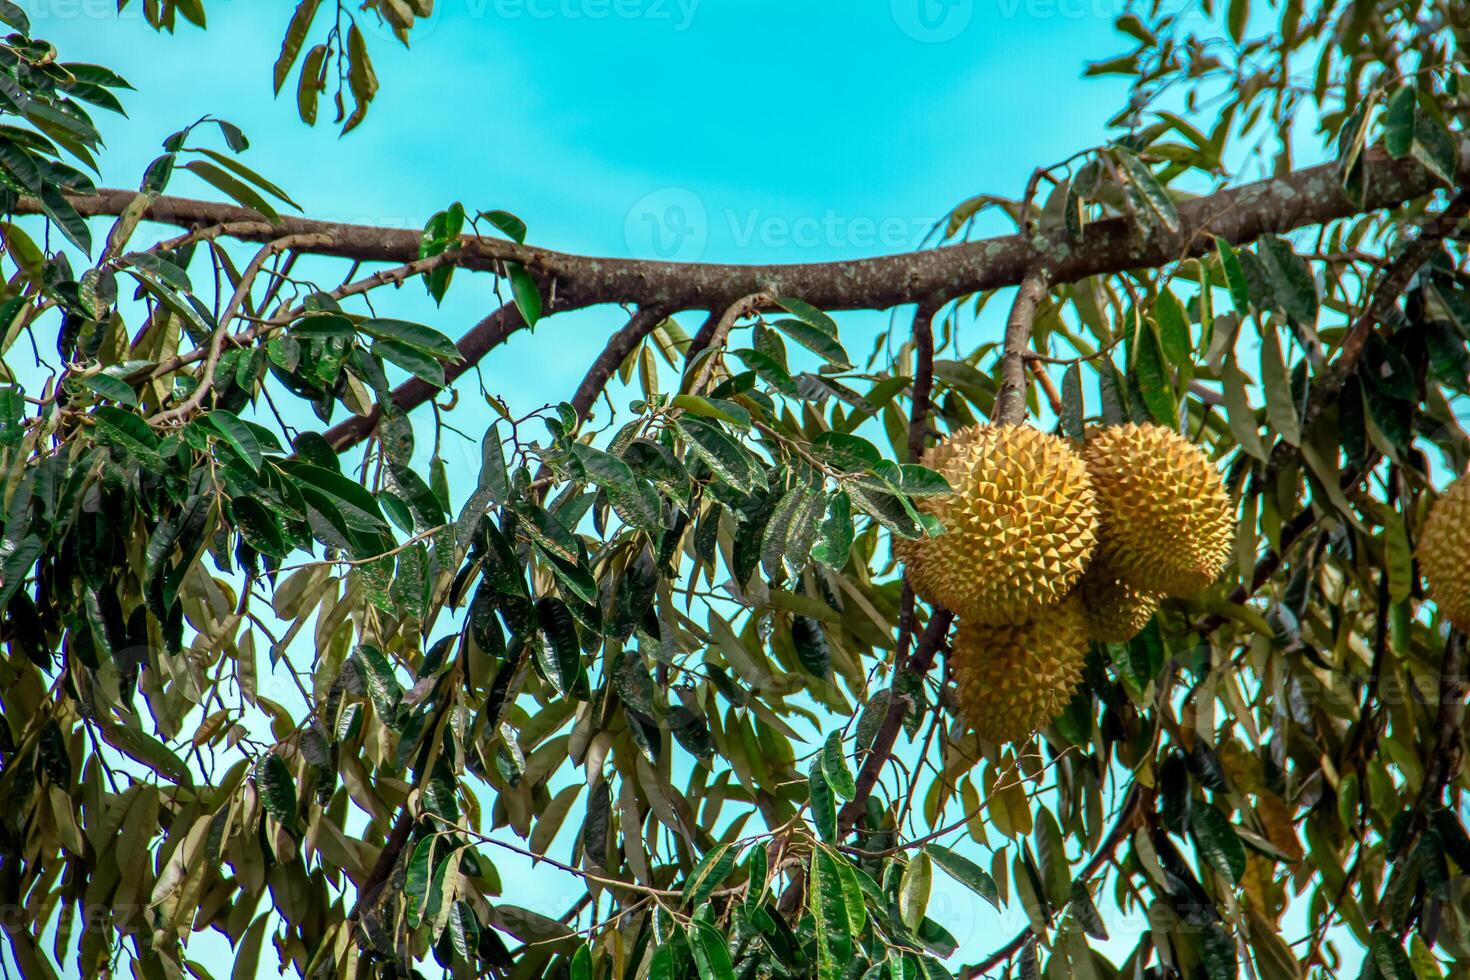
x,y
1019,528
1444,553
1012,680
1116,611
1166,520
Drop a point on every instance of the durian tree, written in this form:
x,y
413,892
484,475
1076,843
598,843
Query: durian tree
x,y
1143,601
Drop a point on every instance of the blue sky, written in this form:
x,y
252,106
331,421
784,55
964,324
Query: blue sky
x,y
746,132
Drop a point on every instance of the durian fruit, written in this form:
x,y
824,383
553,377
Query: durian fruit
x,y
1116,611
1012,680
1020,526
1166,521
1444,553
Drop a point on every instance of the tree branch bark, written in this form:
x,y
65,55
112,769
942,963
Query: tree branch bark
x,y
1305,197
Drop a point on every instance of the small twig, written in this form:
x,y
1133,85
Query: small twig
x,y
221,330
740,308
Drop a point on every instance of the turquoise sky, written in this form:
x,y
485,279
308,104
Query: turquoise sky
x,y
754,131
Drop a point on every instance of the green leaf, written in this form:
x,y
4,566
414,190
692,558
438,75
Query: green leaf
x,y
843,451
1151,372
245,173
817,341
1173,331
109,387
232,186
258,527
581,964
513,227
1073,412
1151,194
712,869
412,360
1389,957
1398,122
381,682
757,869
1292,281
413,335
807,313
603,468
920,481
824,804
1217,842
829,914
836,534
527,295
1240,291
966,872
835,769
1239,18
711,955
712,408
277,789
232,430
418,877
126,431
60,210
1435,147
1238,412
913,890
722,454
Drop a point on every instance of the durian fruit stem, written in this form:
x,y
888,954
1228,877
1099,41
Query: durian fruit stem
x,y
1010,401
923,379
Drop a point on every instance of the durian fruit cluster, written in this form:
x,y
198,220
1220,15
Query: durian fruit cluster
x,y
1048,546
1444,554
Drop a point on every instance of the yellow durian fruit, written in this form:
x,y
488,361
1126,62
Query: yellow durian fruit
x,y
1011,681
1444,553
1166,521
1116,611
1020,525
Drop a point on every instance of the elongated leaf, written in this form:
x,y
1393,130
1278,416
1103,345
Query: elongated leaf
x,y
966,872
834,768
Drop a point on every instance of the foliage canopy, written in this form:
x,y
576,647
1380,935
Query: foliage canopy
x,y
265,674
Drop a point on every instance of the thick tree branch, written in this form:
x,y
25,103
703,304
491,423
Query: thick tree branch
x,y
1306,197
